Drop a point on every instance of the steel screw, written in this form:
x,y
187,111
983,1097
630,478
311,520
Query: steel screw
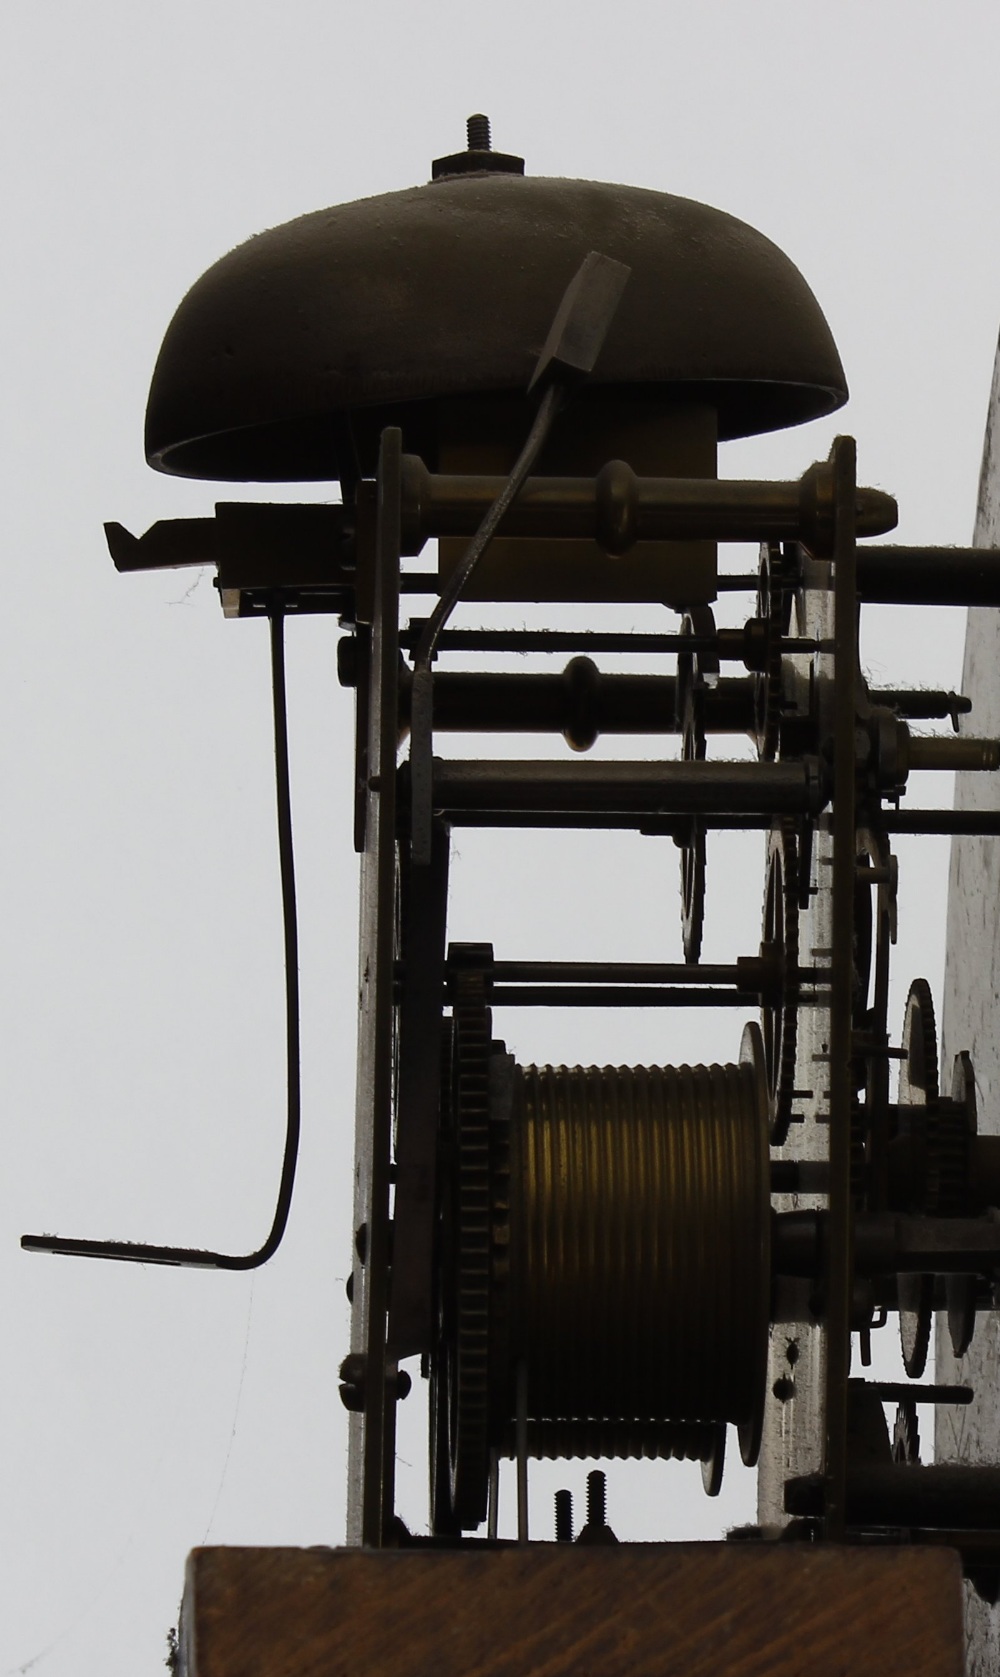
x,y
477,129
353,1371
564,1516
597,1504
352,1381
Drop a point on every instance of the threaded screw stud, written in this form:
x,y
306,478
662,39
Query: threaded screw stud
x,y
477,130
597,1501
564,1516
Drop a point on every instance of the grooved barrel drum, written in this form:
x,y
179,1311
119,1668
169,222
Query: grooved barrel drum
x,y
638,1242
611,1260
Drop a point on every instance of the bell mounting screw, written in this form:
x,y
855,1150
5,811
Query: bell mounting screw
x,y
477,130
597,1505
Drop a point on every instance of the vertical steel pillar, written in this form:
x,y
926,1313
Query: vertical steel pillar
x,y
372,1430
839,1277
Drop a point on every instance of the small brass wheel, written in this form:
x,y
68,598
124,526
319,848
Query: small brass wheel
x,y
960,1290
874,933
713,1464
906,1434
750,1430
443,1520
917,1103
875,926
777,578
863,940
459,1411
774,607
916,1316
780,944
695,670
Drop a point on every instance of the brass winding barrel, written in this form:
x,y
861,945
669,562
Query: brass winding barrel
x,y
639,1252
605,1278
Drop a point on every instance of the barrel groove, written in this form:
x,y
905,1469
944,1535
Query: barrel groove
x,y
639,1283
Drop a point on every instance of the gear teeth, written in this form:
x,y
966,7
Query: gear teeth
x,y
919,1083
771,606
780,1019
693,749
906,1434
469,1376
919,1090
948,1146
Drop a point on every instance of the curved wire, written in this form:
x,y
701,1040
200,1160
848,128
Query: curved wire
x,y
189,1257
548,408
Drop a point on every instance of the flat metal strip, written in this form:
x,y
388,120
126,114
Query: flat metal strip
x,y
840,1268
371,1439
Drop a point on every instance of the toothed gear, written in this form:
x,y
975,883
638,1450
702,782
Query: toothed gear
x,y
776,581
906,1434
949,1173
468,1375
917,1103
918,1069
442,1518
774,608
961,1290
915,1300
779,1018
863,940
691,670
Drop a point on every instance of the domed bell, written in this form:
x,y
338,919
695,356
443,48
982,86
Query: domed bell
x,y
427,309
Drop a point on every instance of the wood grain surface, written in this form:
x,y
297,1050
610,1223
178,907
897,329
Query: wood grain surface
x,y
729,1610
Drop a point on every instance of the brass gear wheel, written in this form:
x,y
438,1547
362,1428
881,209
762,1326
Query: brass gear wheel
x,y
442,1518
919,1084
467,1354
692,670
906,1434
918,1096
960,1290
780,942
774,606
777,579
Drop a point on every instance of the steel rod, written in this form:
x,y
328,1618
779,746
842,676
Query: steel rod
x,y
522,1451
968,823
649,825
617,509
950,1494
429,582
905,1391
608,995
728,644
580,702
545,640
929,576
482,787
624,972
921,704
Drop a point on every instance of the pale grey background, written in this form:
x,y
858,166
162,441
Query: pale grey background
x,y
144,1410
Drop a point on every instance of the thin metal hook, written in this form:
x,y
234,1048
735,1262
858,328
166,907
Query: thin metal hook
x,y
192,1257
